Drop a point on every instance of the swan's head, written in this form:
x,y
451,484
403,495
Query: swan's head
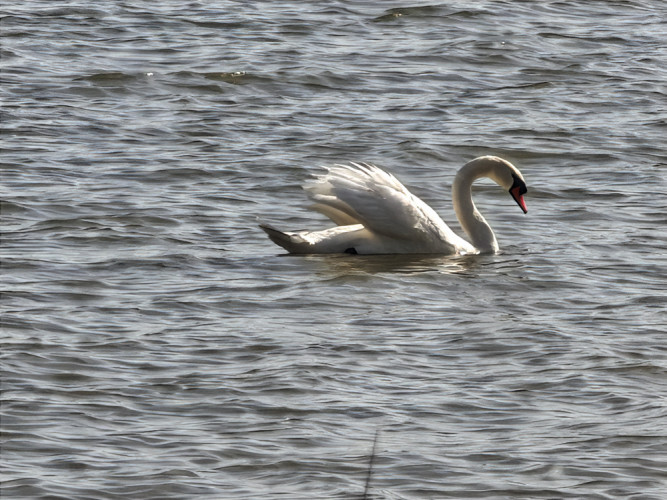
x,y
517,191
507,176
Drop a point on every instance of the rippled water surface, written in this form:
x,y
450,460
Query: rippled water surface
x,y
157,345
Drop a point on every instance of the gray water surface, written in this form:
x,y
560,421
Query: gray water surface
x,y
156,345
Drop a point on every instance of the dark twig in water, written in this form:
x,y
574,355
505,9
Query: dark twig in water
x,y
370,465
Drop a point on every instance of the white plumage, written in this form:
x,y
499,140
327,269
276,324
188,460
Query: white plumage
x,y
376,214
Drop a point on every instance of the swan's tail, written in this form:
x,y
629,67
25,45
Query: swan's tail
x,y
291,242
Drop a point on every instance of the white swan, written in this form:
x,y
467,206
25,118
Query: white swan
x,y
376,214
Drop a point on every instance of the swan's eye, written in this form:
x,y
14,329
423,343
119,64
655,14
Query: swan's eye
x,y
518,183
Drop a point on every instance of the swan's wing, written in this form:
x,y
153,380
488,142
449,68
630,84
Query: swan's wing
x,y
336,215
365,194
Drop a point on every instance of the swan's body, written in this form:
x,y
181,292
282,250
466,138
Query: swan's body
x,y
376,214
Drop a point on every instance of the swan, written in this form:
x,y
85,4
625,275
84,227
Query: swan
x,y
376,214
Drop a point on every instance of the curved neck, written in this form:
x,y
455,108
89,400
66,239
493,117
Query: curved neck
x,y
472,222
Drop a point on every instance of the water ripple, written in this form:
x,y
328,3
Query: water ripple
x,y
157,345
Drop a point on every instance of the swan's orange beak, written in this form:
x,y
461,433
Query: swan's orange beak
x,y
517,193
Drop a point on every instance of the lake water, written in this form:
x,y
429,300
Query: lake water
x,y
156,345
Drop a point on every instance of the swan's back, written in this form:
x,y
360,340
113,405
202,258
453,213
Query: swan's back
x,y
361,193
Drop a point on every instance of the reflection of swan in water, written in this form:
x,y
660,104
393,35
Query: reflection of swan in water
x,y
337,265
376,214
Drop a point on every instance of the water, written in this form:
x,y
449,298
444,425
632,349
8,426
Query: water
x,y
157,345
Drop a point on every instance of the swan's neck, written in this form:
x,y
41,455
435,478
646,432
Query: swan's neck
x,y
472,222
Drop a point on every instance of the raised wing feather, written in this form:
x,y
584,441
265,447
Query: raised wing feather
x,y
365,194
